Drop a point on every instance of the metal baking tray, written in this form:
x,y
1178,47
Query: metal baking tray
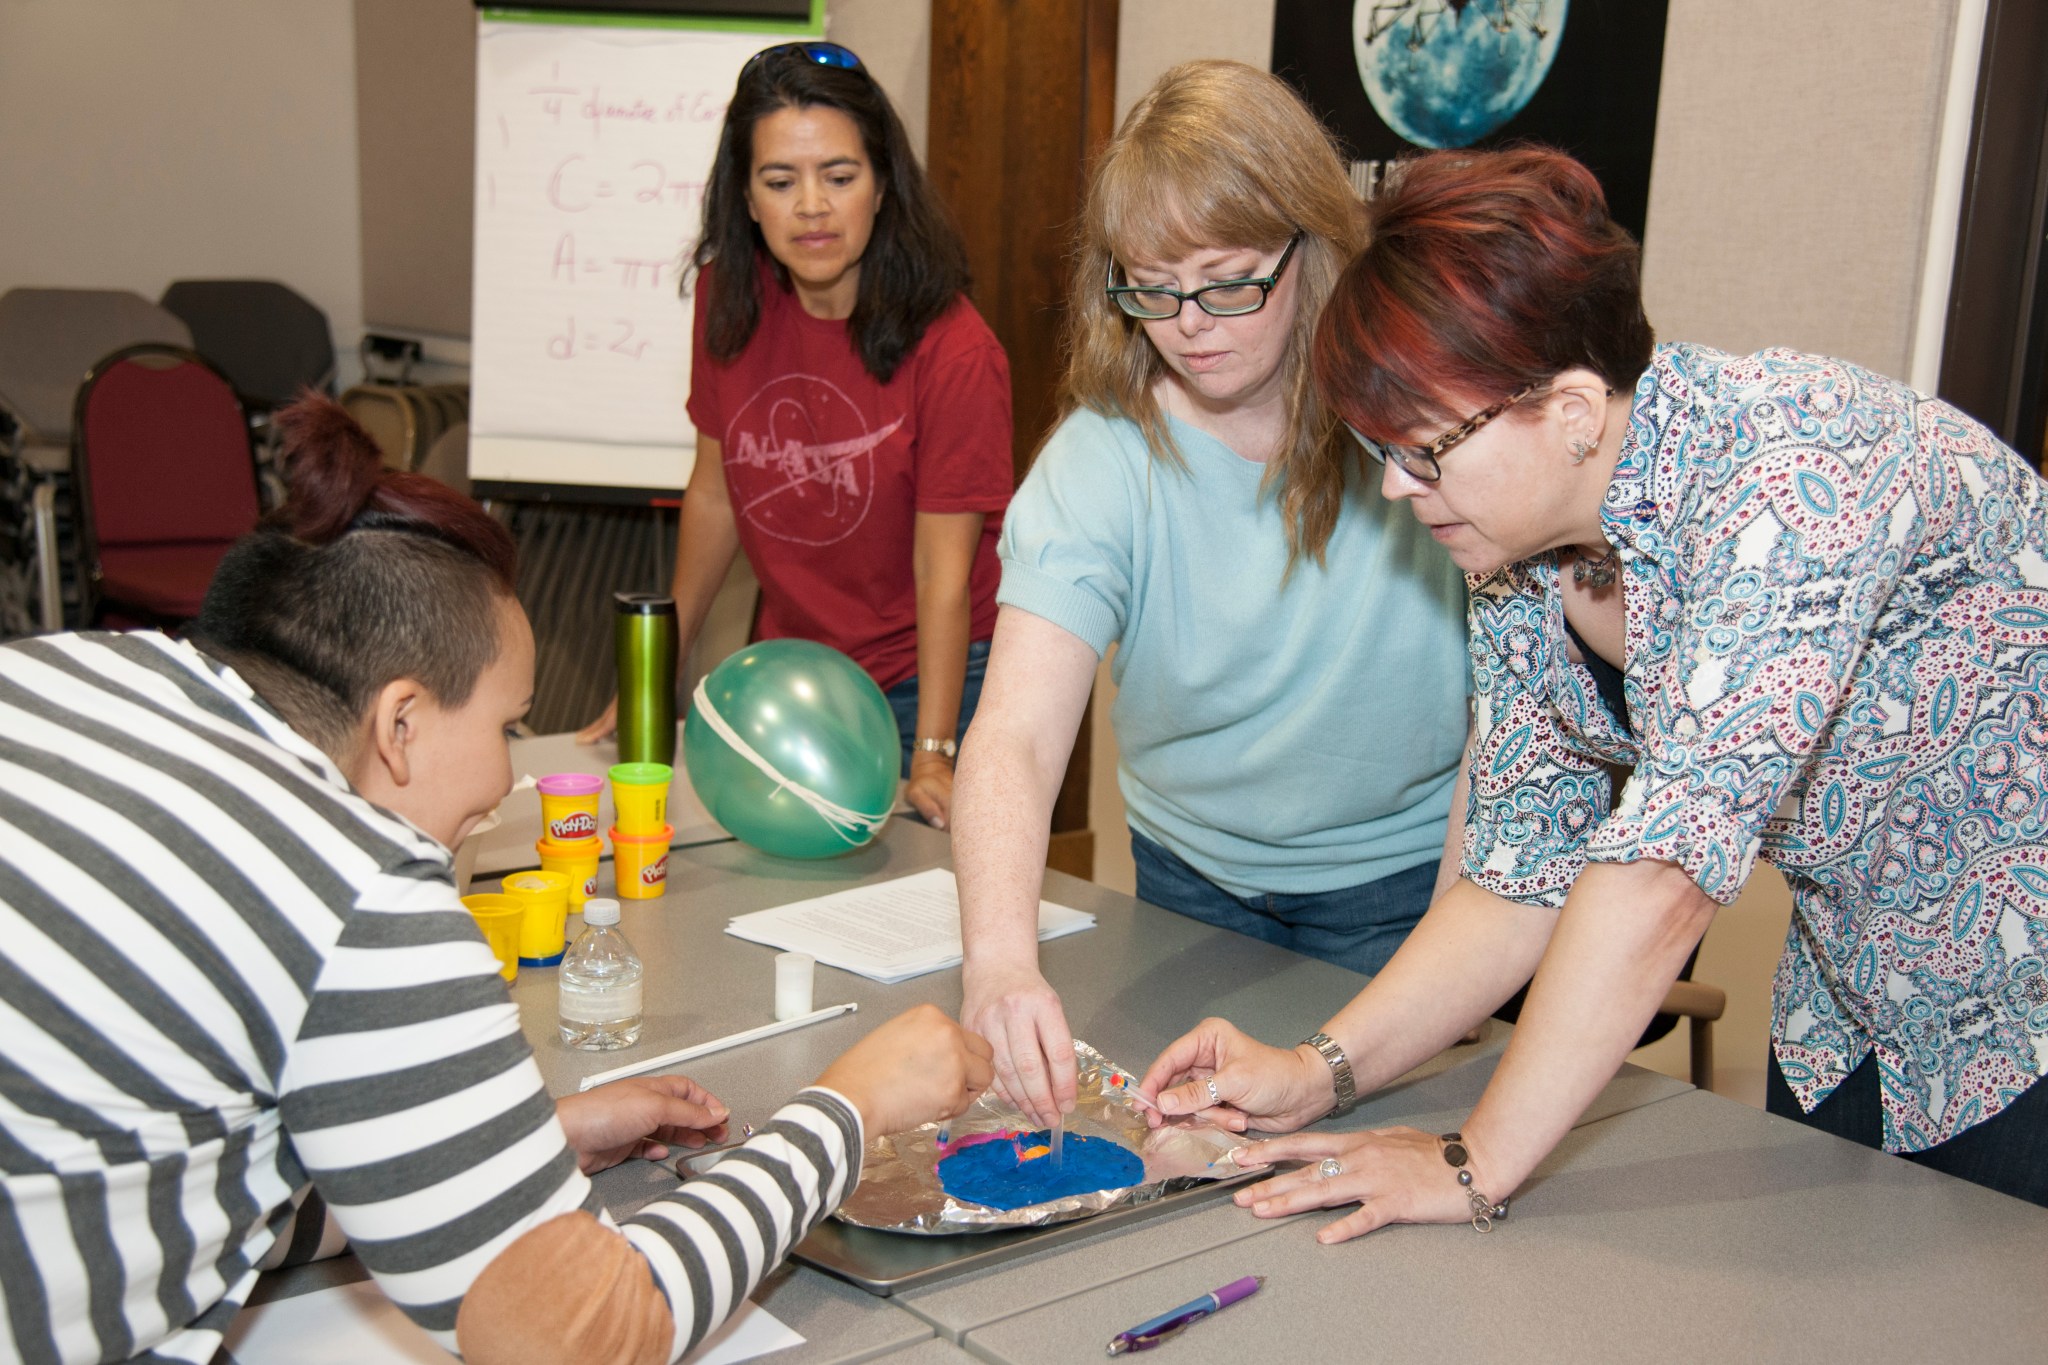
x,y
885,1262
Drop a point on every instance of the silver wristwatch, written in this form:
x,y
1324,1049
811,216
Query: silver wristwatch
x,y
937,746
1340,1073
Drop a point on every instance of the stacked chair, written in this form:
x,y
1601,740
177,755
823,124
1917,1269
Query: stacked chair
x,y
269,340
407,419
166,481
49,340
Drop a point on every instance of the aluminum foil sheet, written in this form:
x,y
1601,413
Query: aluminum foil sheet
x,y
899,1184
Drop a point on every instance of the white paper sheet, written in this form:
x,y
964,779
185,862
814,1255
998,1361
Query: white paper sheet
x,y
593,145
351,1324
887,932
354,1324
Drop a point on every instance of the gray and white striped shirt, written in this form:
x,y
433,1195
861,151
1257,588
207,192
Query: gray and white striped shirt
x,y
226,978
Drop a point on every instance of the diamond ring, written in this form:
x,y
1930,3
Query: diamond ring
x,y
1214,1098
1329,1168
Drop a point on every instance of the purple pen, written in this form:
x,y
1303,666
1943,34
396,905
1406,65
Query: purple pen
x,y
1148,1334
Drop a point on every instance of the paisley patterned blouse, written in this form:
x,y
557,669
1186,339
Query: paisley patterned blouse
x,y
1837,659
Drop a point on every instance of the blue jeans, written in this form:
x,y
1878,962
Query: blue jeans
x,y
1356,926
903,700
2008,1152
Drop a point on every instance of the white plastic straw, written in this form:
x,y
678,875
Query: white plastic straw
x,y
685,1054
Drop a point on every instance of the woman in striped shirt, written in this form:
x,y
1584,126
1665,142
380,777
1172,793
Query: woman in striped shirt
x,y
238,990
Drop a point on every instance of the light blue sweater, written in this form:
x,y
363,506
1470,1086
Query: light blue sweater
x,y
1280,738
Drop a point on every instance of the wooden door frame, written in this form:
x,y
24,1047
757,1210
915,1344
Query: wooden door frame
x,y
1995,346
1022,97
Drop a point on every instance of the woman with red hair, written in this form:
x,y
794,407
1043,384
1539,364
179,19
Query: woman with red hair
x,y
1803,606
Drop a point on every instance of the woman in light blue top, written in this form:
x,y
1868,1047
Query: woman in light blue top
x,y
1290,661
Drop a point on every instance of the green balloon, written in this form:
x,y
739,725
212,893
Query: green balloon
x,y
820,722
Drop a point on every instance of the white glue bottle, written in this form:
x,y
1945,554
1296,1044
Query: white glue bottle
x,y
600,984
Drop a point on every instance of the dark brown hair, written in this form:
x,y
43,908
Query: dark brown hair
x,y
364,575
914,265
1488,273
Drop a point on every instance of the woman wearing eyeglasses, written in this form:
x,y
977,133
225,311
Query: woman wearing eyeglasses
x,y
1804,606
852,409
1199,508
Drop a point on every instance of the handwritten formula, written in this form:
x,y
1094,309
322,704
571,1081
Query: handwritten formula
x,y
593,148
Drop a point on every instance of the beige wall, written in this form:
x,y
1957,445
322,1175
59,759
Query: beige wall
x,y
1789,197
1153,35
894,40
146,142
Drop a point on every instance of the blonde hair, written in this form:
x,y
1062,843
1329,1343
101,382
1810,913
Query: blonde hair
x,y
1218,154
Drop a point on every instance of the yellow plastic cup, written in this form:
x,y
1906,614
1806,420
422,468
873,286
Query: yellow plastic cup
x,y
568,807
578,862
500,919
640,795
544,897
640,863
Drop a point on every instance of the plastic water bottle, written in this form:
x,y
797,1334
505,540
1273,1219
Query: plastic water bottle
x,y
600,984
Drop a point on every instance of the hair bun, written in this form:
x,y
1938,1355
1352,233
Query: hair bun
x,y
332,467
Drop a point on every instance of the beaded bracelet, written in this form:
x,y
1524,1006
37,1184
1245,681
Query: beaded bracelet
x,y
1484,1210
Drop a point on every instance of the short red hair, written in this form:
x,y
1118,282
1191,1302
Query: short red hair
x,y
1488,273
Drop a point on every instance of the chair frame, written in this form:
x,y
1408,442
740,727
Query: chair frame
x,y
81,482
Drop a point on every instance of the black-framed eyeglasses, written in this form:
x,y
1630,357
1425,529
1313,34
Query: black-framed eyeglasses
x,y
821,53
1422,462
1227,299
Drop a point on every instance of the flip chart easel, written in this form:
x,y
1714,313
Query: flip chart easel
x,y
595,136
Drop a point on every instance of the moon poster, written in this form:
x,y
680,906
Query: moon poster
x,y
1390,77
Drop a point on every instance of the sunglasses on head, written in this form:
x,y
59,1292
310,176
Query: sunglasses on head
x,y
820,53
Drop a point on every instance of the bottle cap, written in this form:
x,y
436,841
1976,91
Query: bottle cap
x,y
644,604
600,911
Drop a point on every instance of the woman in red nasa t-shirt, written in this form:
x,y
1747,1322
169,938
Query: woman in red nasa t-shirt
x,y
852,409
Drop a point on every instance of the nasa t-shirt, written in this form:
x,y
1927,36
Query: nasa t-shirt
x,y
828,469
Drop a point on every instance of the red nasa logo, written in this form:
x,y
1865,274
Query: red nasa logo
x,y
799,460
575,825
656,872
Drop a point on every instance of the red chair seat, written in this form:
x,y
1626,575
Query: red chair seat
x,y
162,580
166,479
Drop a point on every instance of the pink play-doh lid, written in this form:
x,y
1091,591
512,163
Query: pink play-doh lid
x,y
571,784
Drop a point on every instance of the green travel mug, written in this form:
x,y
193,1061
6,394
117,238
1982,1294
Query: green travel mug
x,y
644,630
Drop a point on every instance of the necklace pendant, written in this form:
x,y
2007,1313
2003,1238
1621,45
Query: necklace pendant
x,y
1596,573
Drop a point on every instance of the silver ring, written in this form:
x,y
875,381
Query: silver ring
x,y
1329,1168
1214,1098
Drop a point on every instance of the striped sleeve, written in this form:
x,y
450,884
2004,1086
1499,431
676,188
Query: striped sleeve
x,y
711,1241
416,1107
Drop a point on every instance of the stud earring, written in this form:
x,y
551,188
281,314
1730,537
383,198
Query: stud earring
x,y
1583,448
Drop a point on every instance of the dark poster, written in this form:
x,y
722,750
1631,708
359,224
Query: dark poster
x,y
1390,76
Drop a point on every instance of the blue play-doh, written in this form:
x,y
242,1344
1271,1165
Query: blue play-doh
x,y
1000,1175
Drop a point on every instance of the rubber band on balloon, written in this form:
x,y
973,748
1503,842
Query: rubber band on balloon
x,y
843,821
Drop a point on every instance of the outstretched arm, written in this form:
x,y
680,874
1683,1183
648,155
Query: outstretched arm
x,y
1625,932
1010,772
